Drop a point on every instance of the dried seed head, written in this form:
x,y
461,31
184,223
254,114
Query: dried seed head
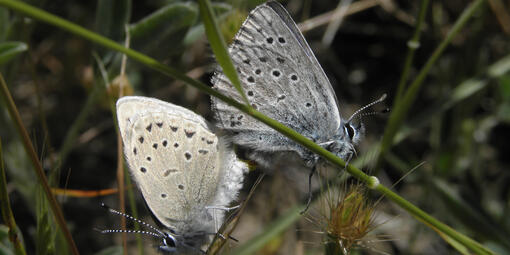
x,y
350,219
345,216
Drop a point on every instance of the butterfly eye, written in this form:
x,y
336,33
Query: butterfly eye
x,y
350,130
169,241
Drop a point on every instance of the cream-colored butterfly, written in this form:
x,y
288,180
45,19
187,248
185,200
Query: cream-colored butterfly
x,y
186,173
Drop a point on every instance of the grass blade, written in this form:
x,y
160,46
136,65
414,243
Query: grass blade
x,y
219,46
29,149
8,50
275,228
400,110
8,216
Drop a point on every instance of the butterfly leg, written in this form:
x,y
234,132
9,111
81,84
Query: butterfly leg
x,y
225,238
309,189
348,160
222,208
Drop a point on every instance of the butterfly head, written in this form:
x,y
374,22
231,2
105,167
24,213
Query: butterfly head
x,y
350,132
168,243
172,243
348,135
353,131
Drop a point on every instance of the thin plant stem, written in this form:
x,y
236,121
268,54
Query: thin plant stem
x,y
400,110
40,108
73,131
335,22
412,45
433,222
7,215
464,90
134,212
282,223
121,185
29,149
120,156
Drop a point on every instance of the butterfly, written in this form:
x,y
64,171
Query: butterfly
x,y
282,79
186,173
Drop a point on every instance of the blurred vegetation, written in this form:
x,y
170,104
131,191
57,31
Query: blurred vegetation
x,y
457,132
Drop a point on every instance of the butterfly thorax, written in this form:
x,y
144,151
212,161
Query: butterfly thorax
x,y
197,220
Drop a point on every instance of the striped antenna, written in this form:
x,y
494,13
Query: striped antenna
x,y
382,98
107,231
129,217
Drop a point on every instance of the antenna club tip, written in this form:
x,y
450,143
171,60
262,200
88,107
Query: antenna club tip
x,y
383,97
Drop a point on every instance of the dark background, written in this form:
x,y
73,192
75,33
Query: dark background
x,y
463,180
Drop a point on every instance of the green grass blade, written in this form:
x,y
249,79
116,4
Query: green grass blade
x,y
4,24
162,33
134,211
111,16
412,45
169,17
433,222
472,219
9,50
7,215
461,92
45,234
29,149
499,68
73,131
400,111
222,11
219,46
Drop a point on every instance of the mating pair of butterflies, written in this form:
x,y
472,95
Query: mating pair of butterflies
x,y
189,176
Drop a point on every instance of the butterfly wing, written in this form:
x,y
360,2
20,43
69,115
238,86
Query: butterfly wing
x,y
281,78
173,158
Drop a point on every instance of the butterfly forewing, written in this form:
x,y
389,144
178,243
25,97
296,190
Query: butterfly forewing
x,y
281,78
172,156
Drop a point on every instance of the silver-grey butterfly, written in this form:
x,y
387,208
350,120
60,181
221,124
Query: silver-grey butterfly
x,y
187,174
282,79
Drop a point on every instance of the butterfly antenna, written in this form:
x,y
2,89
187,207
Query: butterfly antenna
x,y
127,216
382,98
374,113
106,231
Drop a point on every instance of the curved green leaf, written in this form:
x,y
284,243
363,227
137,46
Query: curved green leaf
x,y
8,50
4,23
112,16
219,46
169,18
161,33
222,10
